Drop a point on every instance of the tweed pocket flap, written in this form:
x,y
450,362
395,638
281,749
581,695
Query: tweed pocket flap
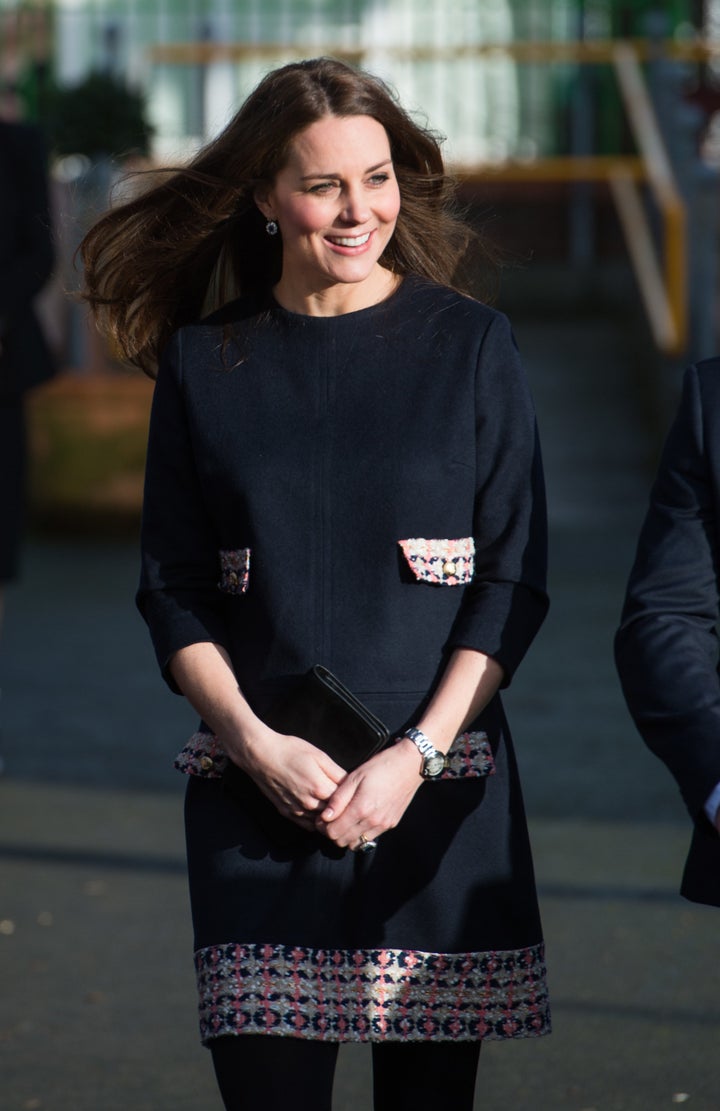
x,y
470,756
203,756
234,570
442,562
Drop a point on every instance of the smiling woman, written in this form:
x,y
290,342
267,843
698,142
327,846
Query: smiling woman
x,y
343,470
197,238
336,202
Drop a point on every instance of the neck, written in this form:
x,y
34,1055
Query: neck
x,y
338,298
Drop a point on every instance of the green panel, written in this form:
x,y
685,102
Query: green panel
x,y
628,18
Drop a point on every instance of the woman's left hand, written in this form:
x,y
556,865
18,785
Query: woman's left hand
x,y
373,798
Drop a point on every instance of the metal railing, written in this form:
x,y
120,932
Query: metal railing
x,y
663,282
664,291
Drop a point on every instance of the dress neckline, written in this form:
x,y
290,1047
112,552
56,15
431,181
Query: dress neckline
x,y
319,321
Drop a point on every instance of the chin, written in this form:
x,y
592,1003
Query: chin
x,y
354,273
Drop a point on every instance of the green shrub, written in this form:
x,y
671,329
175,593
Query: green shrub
x,y
100,117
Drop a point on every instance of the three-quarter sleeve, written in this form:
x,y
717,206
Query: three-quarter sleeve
x,y
178,594
506,602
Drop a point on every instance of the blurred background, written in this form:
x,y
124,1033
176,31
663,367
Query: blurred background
x,y
585,135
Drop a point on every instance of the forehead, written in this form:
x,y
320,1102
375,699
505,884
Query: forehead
x,y
334,140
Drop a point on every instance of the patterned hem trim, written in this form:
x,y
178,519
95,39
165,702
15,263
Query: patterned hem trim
x,y
470,756
442,562
364,995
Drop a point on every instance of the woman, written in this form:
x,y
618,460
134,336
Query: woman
x,y
342,469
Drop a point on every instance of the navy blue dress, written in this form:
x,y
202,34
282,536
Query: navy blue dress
x,y
362,491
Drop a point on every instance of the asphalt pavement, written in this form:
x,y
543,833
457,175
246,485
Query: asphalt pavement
x,y
97,1007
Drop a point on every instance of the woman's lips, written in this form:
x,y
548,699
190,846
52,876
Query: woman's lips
x,y
349,241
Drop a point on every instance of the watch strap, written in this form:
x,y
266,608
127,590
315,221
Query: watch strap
x,y
428,751
421,741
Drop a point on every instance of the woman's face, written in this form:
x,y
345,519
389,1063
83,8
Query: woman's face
x,y
336,202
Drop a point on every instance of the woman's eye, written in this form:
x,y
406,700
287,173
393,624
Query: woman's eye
x,y
322,187
379,179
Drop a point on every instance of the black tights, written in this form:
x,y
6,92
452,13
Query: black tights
x,y
264,1073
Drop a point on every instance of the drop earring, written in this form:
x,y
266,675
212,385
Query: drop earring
x,y
271,227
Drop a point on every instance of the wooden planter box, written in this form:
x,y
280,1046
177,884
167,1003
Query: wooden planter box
x,y
88,435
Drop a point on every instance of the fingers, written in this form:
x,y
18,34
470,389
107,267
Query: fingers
x,y
308,824
309,789
339,800
356,842
350,813
306,818
369,801
354,833
364,841
306,807
333,771
299,779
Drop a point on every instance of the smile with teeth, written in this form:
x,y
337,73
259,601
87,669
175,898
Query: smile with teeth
x,y
349,240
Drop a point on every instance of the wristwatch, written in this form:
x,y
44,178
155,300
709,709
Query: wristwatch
x,y
434,762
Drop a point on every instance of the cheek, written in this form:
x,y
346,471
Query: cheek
x,y
390,208
304,218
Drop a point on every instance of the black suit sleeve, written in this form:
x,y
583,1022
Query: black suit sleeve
x,y
666,647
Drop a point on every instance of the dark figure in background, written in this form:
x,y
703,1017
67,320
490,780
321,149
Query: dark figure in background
x,y
666,648
343,469
26,261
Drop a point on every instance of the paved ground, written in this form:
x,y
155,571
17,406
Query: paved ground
x,y
97,1004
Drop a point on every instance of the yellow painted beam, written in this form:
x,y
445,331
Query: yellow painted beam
x,y
590,168
589,52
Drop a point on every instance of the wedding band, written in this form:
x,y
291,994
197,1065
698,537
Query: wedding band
x,y
366,846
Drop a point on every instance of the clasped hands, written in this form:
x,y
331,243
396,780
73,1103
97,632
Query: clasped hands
x,y
315,793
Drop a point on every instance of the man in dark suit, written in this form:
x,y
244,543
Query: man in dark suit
x,y
666,649
26,260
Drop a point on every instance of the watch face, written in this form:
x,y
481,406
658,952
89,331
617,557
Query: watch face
x,y
434,765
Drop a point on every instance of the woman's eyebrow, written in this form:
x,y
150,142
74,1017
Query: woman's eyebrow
x,y
334,173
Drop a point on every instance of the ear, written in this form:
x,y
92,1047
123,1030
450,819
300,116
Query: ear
x,y
261,198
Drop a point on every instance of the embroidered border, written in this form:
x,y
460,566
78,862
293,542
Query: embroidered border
x,y
234,570
443,562
361,995
470,756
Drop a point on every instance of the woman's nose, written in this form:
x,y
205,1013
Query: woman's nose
x,y
355,208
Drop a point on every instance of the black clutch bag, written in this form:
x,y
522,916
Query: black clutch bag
x,y
324,712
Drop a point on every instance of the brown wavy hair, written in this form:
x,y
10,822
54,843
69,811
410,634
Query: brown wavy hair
x,y
195,239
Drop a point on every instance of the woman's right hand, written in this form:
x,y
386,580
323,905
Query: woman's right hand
x,y
297,777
